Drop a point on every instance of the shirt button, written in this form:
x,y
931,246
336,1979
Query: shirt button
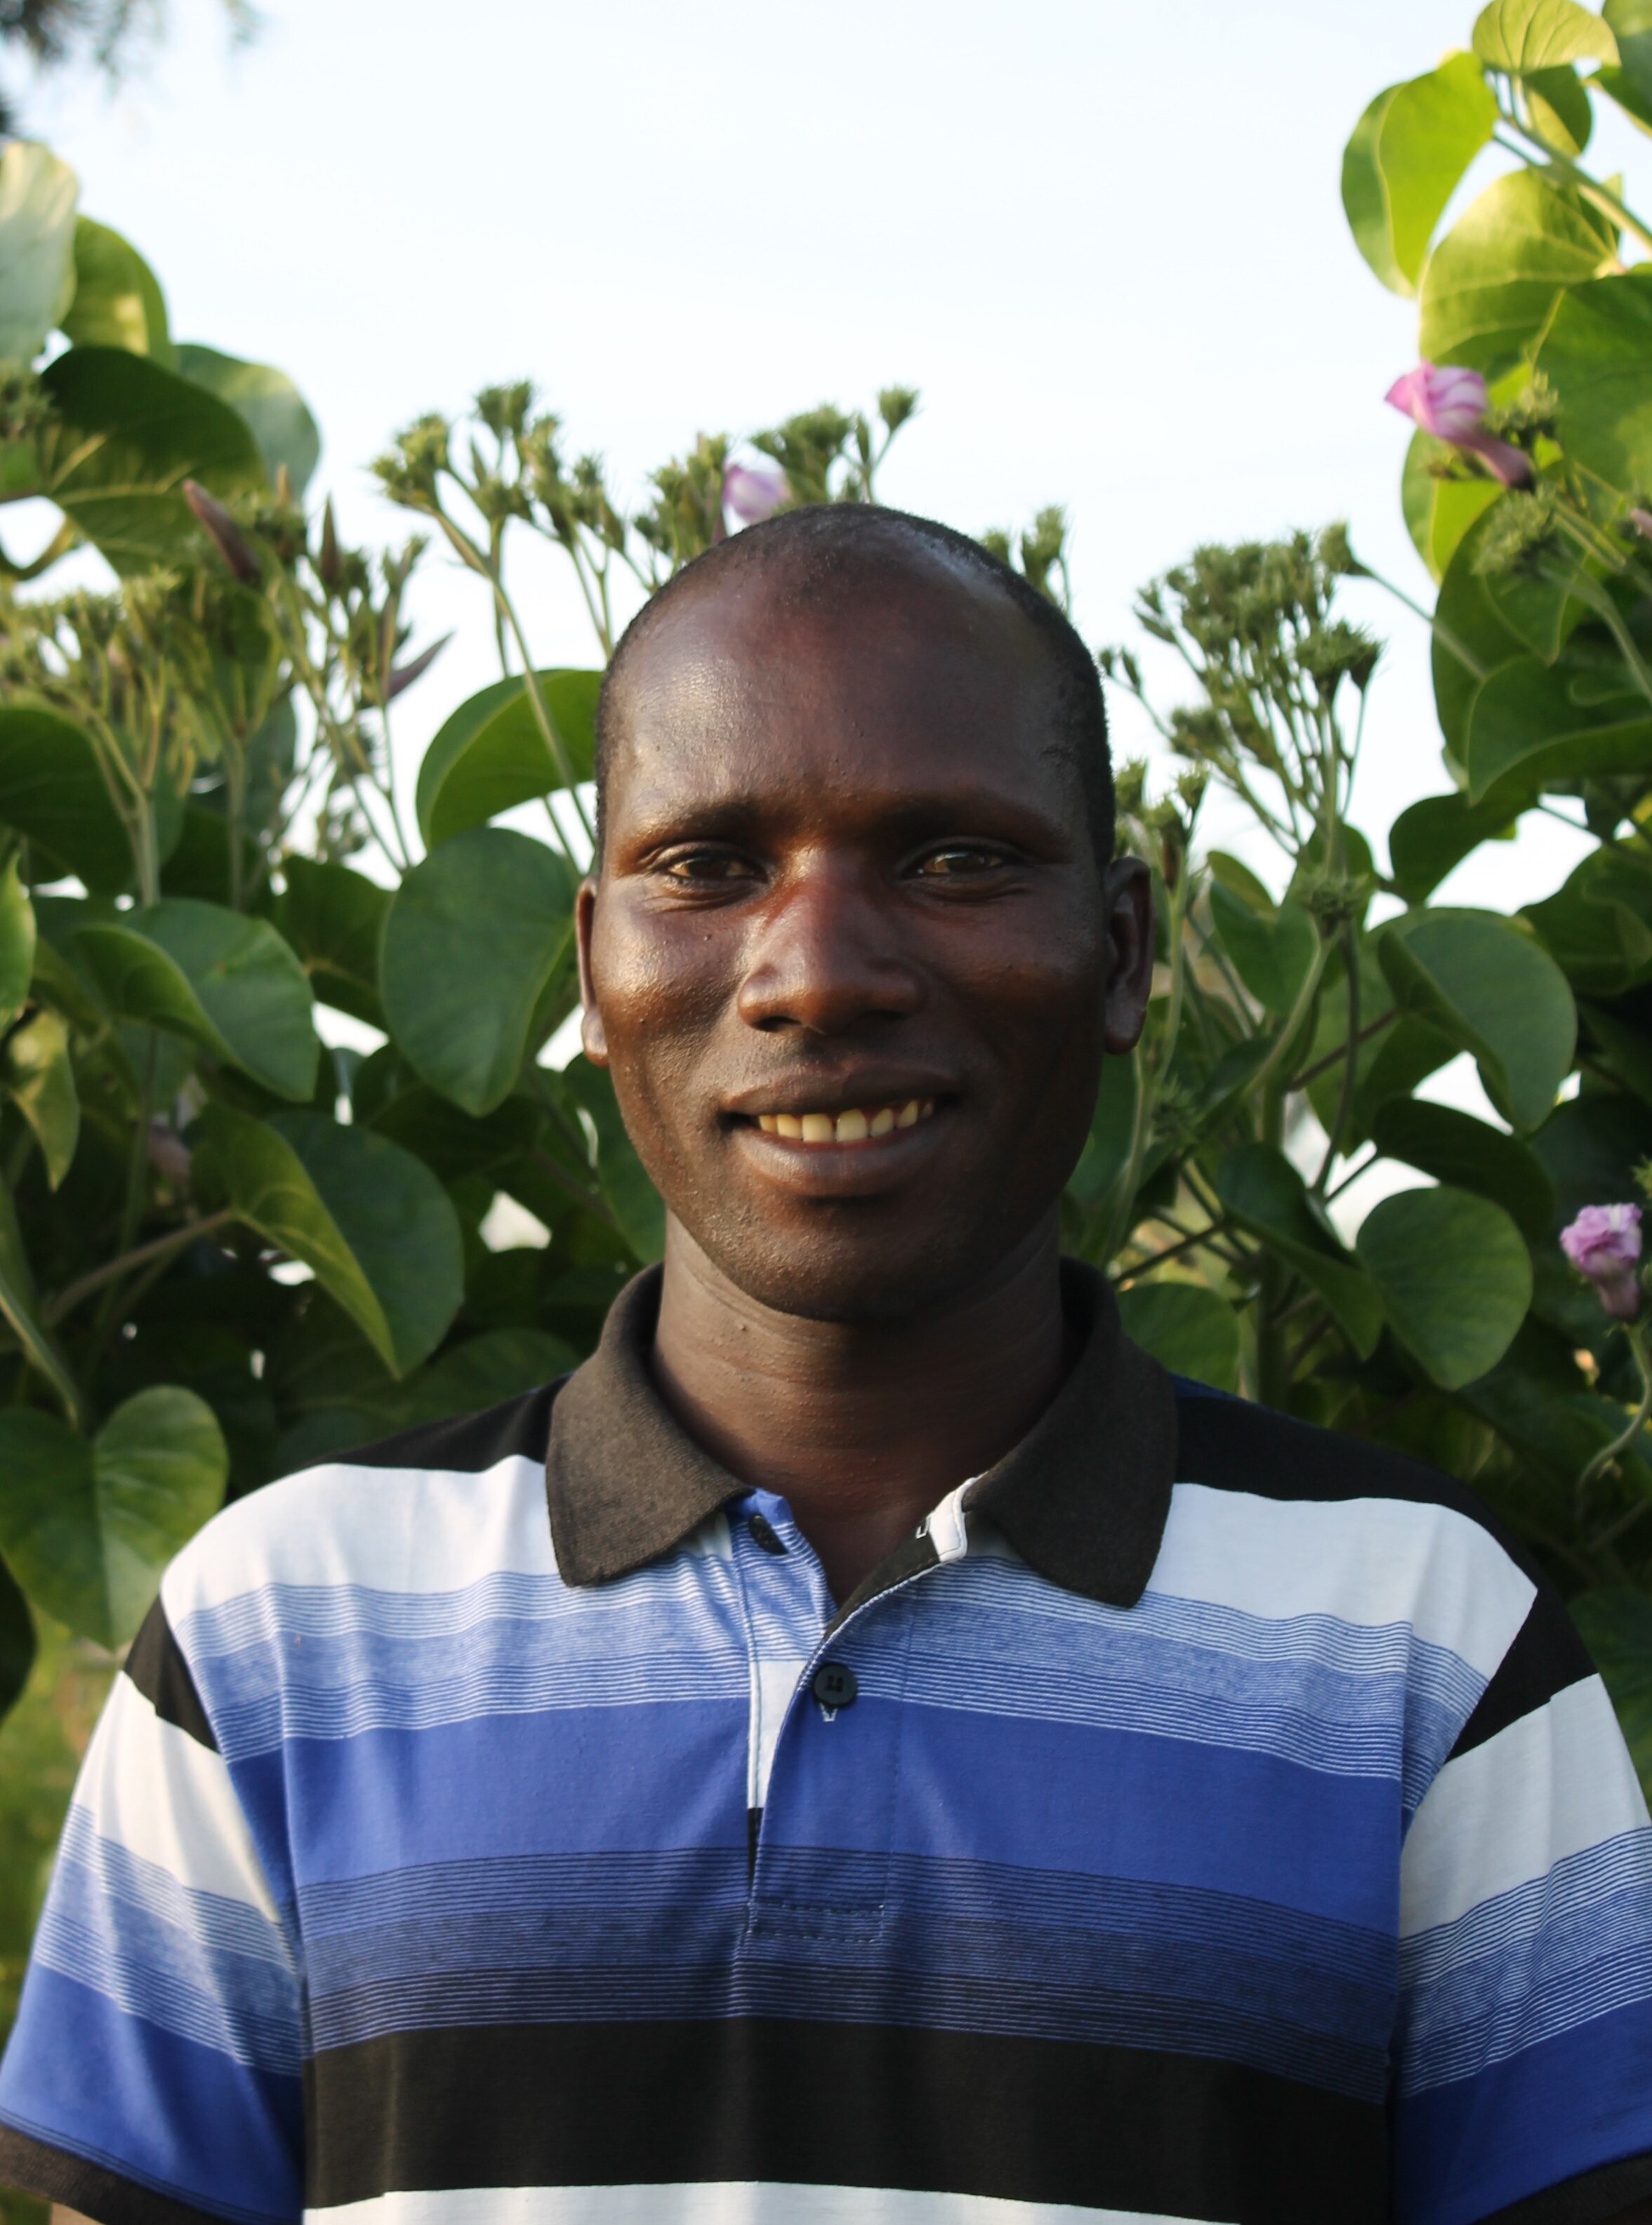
x,y
766,1535
835,1686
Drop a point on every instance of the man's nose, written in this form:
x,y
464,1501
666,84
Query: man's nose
x,y
825,955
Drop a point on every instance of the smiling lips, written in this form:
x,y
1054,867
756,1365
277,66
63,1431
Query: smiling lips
x,y
857,1125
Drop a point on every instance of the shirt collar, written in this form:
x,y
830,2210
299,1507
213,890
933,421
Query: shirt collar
x,y
1083,1498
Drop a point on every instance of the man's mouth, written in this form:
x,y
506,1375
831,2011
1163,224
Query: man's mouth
x,y
859,1125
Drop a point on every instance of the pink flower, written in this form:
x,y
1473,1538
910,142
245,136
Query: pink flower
x,y
755,491
1642,520
1450,403
1604,1243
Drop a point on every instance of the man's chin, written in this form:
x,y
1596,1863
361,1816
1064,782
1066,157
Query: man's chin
x,y
853,1283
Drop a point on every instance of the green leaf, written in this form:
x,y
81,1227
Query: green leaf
x,y
1492,283
37,197
18,1304
1597,927
375,1227
131,435
1616,1628
1438,511
1272,950
39,1075
1519,36
90,1528
1429,838
117,299
1524,730
1264,1193
334,919
1492,988
1457,1149
228,982
466,1027
1188,1329
1406,158
1105,1160
17,1640
632,1197
1473,635
1635,101
52,790
17,943
1595,355
272,407
1625,1049
1559,109
1455,1278
490,755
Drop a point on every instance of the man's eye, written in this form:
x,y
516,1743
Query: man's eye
x,y
959,860
704,866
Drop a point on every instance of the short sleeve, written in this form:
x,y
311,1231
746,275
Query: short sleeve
x,y
154,2072
1522,2072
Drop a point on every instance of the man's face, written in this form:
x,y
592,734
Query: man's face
x,y
848,952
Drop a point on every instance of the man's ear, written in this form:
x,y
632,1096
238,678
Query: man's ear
x,y
1127,900
592,1039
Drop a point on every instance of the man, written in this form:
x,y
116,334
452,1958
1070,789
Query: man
x,y
923,1768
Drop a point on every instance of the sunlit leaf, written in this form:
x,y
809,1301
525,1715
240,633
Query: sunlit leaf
x,y
117,298
1519,36
490,754
39,1078
37,197
1406,158
1492,283
1595,354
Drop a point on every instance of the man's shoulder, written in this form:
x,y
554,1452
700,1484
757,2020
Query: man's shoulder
x,y
429,1508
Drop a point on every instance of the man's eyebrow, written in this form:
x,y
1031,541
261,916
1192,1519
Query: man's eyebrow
x,y
896,821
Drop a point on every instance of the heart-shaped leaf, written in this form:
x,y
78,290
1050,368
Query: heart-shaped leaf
x,y
1429,838
374,1226
1491,285
475,938
1190,1330
1440,511
1492,989
90,1528
1457,1149
1519,36
491,754
37,197
228,982
1524,729
1595,354
131,433
117,298
52,790
267,400
1272,949
1455,1278
1405,160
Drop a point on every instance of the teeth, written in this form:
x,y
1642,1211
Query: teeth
x,y
855,1126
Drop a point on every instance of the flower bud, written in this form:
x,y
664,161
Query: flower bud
x,y
403,675
223,532
1603,1244
1450,403
755,491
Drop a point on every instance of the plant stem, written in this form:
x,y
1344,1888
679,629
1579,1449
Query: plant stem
x,y
1607,1456
175,1239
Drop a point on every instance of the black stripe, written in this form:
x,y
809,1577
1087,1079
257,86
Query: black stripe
x,y
34,2168
1598,2197
1546,1658
466,1444
157,1665
838,2105
1232,1445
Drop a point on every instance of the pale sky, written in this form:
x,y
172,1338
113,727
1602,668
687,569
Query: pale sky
x,y
1105,241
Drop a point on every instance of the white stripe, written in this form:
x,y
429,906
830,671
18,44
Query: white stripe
x,y
773,1683
407,1529
745,2201
1556,1782
1371,1561
167,1799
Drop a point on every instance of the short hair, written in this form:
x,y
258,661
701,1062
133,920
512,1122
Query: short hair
x,y
823,544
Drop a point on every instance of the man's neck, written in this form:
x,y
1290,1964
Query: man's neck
x,y
862,1427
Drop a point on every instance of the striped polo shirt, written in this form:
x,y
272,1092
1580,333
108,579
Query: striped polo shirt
x,y
1201,1817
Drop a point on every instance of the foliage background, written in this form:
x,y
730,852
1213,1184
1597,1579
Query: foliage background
x,y
1449,1328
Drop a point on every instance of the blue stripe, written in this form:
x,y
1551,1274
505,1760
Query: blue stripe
x,y
181,2119
1529,1964
1109,1802
1564,2107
